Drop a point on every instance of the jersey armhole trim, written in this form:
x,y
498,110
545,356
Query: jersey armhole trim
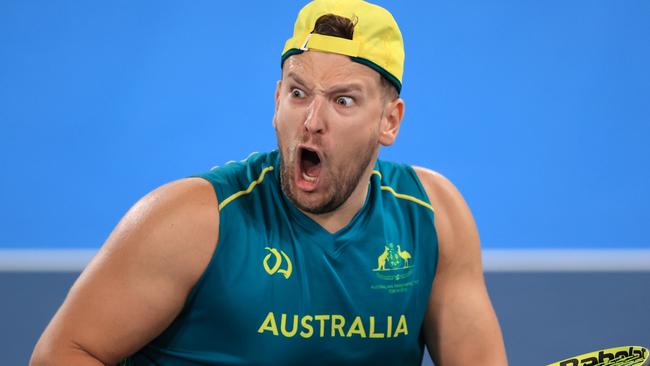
x,y
248,190
401,195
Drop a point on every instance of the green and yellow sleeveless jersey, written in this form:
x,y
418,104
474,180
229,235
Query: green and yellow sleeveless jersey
x,y
281,290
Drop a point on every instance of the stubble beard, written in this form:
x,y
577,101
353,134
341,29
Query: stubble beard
x,y
343,180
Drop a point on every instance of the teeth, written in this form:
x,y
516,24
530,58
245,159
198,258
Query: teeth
x,y
308,178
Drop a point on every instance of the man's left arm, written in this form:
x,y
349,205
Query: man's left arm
x,y
461,327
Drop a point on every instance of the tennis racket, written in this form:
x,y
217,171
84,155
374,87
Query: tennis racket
x,y
617,356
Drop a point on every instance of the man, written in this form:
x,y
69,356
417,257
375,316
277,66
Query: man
x,y
316,253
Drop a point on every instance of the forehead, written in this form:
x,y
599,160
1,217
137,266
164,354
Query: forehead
x,y
328,69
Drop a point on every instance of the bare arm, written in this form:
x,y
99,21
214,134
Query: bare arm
x,y
138,282
460,327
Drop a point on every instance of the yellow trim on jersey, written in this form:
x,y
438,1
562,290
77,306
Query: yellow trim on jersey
x,y
401,195
248,190
407,197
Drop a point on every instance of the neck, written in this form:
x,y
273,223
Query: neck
x,y
336,220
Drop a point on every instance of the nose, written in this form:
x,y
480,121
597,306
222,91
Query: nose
x,y
315,119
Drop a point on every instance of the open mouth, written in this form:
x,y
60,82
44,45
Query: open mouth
x,y
310,167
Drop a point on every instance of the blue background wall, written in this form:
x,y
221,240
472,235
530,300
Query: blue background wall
x,y
538,111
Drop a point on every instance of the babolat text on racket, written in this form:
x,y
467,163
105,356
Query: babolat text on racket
x,y
617,356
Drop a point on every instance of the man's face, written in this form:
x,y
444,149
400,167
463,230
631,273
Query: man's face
x,y
328,117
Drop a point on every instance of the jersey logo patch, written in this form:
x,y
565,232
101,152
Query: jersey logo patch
x,y
279,258
391,259
394,264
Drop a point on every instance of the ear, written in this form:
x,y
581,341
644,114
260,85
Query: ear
x,y
391,121
277,99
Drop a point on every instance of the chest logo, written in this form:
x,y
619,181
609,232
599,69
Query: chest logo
x,y
281,263
394,263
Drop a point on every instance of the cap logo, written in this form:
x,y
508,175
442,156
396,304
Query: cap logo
x,y
304,45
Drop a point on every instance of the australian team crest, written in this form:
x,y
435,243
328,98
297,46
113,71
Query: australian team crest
x,y
394,263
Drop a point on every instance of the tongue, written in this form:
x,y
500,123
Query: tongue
x,y
311,168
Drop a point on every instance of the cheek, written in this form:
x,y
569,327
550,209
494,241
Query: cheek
x,y
361,129
288,117
350,140
285,128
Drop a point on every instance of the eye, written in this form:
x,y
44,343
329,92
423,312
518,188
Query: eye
x,y
345,101
297,93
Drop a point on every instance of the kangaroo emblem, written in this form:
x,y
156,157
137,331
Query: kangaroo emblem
x,y
381,260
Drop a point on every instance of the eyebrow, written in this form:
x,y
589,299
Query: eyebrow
x,y
296,78
342,88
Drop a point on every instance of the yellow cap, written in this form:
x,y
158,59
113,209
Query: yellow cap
x,y
377,41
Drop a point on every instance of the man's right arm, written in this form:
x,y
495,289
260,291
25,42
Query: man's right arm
x,y
138,282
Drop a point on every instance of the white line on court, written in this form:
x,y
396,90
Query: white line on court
x,y
566,260
494,260
45,260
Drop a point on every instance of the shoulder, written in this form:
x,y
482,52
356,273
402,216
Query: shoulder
x,y
188,205
174,229
442,193
455,225
186,200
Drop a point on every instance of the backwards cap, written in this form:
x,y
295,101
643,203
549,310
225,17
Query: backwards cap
x,y
377,41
